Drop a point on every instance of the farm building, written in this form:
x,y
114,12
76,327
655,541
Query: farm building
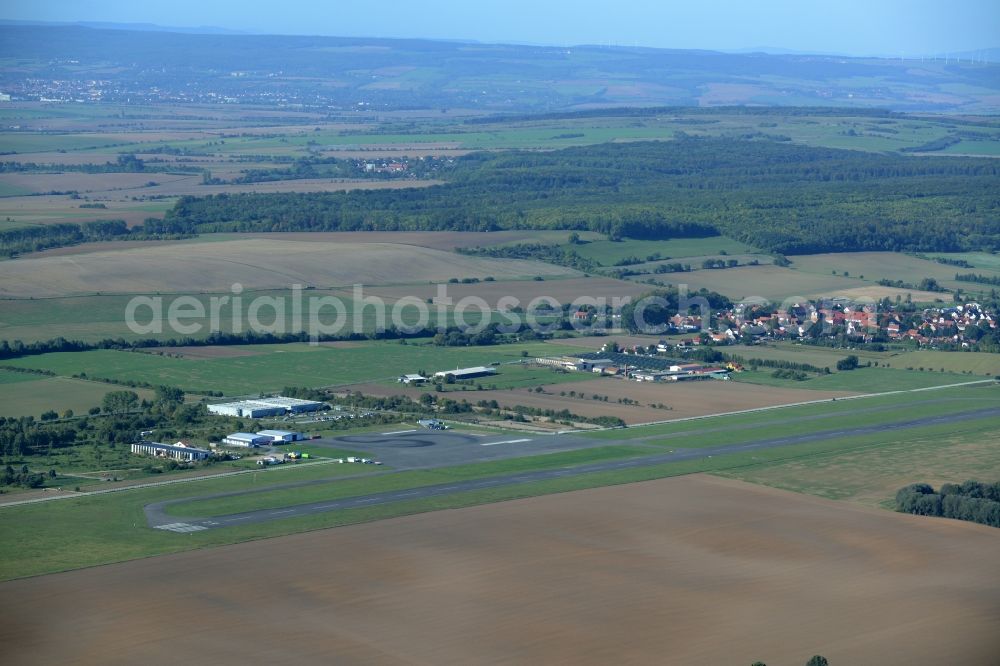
x,y
280,436
174,451
466,373
649,376
412,379
262,407
246,439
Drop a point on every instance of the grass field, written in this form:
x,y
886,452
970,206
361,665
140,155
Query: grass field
x,y
978,363
862,380
902,405
976,259
872,476
925,361
271,367
23,394
821,357
607,252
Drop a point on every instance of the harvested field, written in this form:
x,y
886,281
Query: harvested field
x,y
683,398
256,264
771,282
113,184
730,574
878,292
436,240
563,291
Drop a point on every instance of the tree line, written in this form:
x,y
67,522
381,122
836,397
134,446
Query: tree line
x,y
972,501
978,277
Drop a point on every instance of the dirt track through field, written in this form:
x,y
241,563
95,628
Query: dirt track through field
x,y
692,570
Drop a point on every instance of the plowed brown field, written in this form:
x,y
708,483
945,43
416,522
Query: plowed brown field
x,y
691,570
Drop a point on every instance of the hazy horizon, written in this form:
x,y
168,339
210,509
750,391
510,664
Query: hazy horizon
x,y
852,27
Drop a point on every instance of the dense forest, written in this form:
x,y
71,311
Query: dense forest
x,y
785,198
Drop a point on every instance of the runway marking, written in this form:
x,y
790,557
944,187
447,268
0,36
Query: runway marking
x,y
181,527
398,432
233,520
506,441
275,513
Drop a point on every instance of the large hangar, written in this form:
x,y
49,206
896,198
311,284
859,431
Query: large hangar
x,y
261,407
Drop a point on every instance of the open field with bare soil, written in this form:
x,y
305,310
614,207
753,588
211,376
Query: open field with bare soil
x,y
254,263
681,399
731,573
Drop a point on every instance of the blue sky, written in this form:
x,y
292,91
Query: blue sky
x,y
857,27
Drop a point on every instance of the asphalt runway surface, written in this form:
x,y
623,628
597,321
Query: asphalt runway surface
x,y
479,448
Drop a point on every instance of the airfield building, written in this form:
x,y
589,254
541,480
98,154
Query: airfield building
x,y
175,452
263,407
246,439
280,436
466,373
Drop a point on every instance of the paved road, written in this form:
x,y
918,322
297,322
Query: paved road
x,y
157,517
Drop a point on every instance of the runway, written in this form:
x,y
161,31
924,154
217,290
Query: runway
x,y
475,448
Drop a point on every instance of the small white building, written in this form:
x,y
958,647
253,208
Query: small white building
x,y
280,436
412,379
173,451
246,439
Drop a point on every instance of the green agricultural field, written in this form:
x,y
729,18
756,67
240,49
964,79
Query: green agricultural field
x,y
873,475
607,252
31,395
862,380
976,259
271,367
